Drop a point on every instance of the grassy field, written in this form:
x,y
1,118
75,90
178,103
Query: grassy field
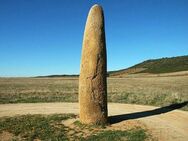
x,y
158,91
51,127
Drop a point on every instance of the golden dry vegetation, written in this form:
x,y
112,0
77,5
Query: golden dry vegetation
x,y
153,90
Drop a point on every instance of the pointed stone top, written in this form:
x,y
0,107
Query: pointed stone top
x,y
95,16
96,7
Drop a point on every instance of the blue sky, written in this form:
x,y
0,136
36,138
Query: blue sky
x,y
43,37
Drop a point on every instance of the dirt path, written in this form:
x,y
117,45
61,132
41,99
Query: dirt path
x,y
165,124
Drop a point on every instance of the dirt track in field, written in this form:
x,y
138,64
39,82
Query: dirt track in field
x,y
165,123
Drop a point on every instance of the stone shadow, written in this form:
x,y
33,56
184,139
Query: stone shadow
x,y
162,110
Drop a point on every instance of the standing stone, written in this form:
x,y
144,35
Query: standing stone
x,y
92,80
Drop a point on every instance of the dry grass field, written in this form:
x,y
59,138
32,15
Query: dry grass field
x,y
146,90
159,91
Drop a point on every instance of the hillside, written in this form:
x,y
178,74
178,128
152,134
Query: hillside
x,y
152,66
156,66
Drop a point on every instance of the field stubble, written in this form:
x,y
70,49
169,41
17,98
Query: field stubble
x,y
158,91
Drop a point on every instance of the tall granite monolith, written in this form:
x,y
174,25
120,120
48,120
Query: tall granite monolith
x,y
92,80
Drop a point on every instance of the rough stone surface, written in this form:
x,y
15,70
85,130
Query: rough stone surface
x,y
92,80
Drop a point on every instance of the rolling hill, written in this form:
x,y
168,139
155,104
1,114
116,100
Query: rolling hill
x,y
152,66
156,66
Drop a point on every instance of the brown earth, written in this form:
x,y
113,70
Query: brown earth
x,y
165,123
6,136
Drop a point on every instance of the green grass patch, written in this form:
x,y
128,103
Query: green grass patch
x,y
50,128
30,127
117,135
